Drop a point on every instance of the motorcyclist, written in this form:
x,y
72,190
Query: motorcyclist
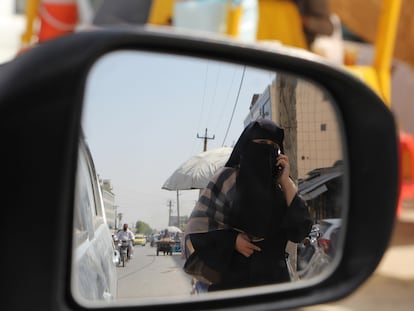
x,y
126,235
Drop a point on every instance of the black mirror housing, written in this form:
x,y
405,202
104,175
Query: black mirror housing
x,y
41,97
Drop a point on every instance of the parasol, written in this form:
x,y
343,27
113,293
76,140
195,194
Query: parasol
x,y
174,229
196,172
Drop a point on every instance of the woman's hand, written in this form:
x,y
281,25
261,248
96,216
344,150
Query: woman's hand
x,y
243,245
287,184
283,161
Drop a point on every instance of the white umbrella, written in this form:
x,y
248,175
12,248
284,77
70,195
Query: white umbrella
x,y
174,229
196,172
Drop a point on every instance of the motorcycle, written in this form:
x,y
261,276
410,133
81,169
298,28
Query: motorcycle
x,y
124,252
312,260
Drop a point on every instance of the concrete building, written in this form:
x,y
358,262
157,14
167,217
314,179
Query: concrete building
x,y
313,139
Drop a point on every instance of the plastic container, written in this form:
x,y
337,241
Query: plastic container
x,y
248,21
206,15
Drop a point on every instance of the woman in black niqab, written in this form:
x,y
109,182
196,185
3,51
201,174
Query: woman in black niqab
x,y
237,233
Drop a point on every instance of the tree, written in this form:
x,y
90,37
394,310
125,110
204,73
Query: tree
x,y
142,227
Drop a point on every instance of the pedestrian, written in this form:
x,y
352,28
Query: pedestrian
x,y
238,231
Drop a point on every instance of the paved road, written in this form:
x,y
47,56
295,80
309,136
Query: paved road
x,y
148,275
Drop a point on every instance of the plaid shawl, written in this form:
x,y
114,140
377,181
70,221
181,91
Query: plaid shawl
x,y
210,213
211,210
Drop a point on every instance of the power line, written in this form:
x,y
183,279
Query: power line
x,y
204,94
214,93
235,105
226,101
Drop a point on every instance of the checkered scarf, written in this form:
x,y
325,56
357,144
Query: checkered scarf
x,y
210,213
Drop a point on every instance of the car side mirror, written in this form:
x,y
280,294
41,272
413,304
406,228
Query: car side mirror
x,y
50,100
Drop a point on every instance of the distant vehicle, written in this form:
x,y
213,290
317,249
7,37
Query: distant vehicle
x,y
140,239
154,239
165,245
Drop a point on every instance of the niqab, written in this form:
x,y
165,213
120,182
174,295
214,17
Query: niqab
x,y
258,202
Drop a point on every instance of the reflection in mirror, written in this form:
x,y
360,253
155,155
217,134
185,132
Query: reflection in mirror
x,y
145,115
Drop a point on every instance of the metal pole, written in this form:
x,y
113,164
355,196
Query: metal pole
x,y
178,210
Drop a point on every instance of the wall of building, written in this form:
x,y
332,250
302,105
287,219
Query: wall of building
x,y
318,142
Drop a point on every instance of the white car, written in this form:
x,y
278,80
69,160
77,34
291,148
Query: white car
x,y
95,256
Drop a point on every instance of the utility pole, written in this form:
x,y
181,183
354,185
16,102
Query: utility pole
x,y
115,216
169,212
205,139
119,216
178,210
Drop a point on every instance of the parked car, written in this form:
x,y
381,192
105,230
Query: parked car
x,y
41,102
328,229
140,239
95,257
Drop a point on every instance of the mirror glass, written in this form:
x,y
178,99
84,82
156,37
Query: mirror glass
x,y
146,114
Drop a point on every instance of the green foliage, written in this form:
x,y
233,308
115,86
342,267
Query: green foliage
x,y
142,227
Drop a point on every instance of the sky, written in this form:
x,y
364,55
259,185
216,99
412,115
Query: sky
x,y
143,113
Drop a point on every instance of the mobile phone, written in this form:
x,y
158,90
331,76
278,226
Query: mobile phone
x,y
278,168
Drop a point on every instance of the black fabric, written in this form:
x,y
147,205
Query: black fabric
x,y
259,202
122,12
261,128
217,250
215,259
219,241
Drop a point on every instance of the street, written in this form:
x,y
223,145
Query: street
x,y
149,275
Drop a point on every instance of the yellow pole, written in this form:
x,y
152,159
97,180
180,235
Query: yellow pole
x,y
234,13
31,14
162,12
384,45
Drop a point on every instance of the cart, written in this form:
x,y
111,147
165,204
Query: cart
x,y
165,245
168,246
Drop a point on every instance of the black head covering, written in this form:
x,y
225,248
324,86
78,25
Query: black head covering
x,y
259,202
262,128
